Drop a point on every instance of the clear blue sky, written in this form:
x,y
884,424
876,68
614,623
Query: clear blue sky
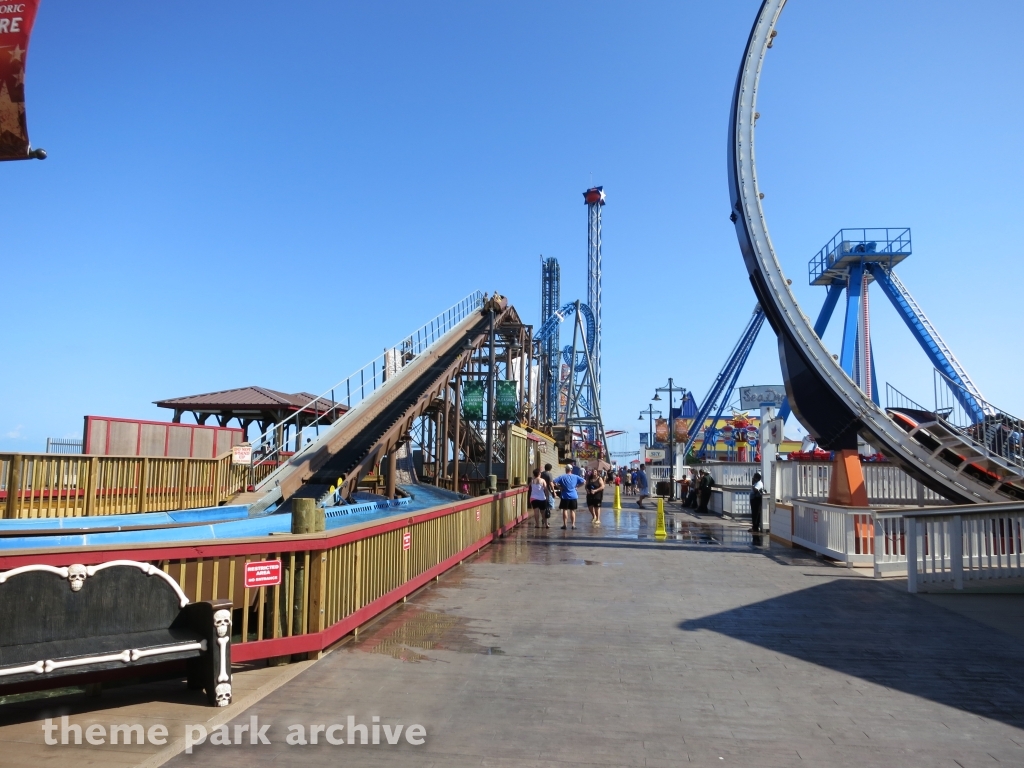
x,y
257,193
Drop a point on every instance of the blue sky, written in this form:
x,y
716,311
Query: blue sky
x,y
250,193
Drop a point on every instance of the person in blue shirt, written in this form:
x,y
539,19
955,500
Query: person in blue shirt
x,y
642,486
567,485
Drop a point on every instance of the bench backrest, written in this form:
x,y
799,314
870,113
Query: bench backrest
x,y
43,604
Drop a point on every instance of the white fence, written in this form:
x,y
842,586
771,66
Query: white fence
x,y
886,484
655,473
733,473
842,533
976,542
734,502
946,548
890,543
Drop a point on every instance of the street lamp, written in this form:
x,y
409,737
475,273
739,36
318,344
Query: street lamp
x,y
650,421
671,389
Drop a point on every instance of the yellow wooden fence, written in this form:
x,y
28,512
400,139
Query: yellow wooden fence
x,y
62,485
328,579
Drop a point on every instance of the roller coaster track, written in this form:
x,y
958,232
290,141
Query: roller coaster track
x,y
825,400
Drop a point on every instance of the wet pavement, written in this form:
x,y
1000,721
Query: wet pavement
x,y
606,646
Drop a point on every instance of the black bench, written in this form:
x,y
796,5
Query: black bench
x,y
59,624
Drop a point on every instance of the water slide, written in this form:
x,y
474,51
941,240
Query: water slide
x,y
376,425
825,400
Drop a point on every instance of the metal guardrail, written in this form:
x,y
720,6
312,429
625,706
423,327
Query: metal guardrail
x,y
63,445
993,430
270,448
874,243
332,582
896,399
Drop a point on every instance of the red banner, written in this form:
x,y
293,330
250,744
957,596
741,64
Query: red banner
x,y
16,19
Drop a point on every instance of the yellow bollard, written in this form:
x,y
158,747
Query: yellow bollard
x,y
659,526
618,499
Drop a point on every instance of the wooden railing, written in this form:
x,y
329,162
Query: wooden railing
x,y
55,485
332,583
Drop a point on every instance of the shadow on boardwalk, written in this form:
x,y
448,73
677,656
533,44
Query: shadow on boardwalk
x,y
896,640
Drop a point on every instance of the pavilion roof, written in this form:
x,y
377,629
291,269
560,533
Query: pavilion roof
x,y
246,399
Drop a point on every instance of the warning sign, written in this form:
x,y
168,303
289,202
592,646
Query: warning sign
x,y
266,573
406,540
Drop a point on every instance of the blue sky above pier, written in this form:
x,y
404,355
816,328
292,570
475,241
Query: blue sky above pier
x,y
264,194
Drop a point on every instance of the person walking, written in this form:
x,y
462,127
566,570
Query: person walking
x,y
567,485
595,496
539,493
642,486
704,486
548,478
756,496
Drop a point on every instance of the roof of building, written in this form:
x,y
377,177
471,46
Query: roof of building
x,y
246,398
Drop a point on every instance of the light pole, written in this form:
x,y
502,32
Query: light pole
x,y
671,389
650,423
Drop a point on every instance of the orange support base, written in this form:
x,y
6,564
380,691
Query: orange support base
x,y
847,487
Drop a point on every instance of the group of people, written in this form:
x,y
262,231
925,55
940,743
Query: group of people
x,y
544,487
633,481
696,493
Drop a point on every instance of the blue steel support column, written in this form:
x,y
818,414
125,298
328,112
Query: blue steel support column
x,y
853,286
929,344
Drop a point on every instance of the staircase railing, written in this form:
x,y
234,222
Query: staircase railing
x,y
999,432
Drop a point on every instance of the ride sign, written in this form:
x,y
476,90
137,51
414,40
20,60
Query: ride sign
x,y
473,400
262,573
16,19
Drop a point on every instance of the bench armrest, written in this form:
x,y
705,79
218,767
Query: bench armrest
x,y
211,620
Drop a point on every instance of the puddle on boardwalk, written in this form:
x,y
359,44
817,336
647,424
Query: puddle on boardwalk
x,y
525,544
410,630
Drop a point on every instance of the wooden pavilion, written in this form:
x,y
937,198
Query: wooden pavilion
x,y
260,405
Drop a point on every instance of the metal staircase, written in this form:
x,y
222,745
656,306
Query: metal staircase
x,y
939,353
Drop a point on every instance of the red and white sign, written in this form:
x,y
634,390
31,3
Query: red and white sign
x,y
407,540
478,514
265,573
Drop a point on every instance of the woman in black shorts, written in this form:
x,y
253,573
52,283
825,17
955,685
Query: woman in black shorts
x,y
595,495
539,495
